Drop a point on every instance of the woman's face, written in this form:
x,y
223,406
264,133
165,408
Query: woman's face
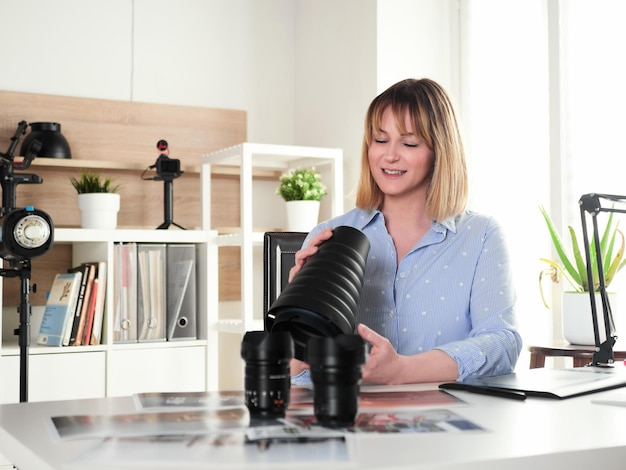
x,y
401,164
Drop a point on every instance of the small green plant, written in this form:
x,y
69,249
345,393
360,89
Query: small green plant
x,y
574,268
301,184
90,182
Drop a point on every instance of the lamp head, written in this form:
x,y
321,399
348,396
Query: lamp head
x,y
53,143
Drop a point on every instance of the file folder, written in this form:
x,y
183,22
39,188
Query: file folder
x,y
125,293
151,292
181,292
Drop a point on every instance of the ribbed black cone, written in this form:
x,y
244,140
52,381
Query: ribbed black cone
x,y
323,297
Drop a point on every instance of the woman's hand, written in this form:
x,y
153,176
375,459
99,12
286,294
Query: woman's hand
x,y
383,364
305,253
296,366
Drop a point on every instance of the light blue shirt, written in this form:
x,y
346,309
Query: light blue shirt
x,y
453,292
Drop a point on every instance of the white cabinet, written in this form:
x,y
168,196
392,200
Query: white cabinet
x,y
251,159
110,368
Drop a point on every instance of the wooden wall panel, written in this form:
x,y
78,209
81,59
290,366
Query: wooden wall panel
x,y
125,131
119,139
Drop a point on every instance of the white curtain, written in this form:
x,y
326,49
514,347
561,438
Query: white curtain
x,y
514,54
505,105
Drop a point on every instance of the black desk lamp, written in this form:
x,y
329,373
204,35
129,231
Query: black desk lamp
x,y
603,354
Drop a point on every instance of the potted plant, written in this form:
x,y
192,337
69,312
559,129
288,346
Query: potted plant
x,y
302,189
577,320
98,200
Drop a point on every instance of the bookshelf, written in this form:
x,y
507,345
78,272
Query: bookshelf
x,y
117,138
115,369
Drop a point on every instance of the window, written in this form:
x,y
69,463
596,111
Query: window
x,y
515,54
505,106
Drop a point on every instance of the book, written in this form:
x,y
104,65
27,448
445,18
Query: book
x,y
151,292
84,313
98,317
90,313
125,293
181,292
72,326
60,308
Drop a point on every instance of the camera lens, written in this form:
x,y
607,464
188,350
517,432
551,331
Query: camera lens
x,y
267,382
322,299
335,365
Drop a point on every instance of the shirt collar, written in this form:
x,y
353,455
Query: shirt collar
x,y
440,227
446,224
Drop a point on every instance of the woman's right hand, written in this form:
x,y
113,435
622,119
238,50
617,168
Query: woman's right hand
x,y
305,253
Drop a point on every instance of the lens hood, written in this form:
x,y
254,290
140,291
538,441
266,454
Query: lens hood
x,y
340,351
260,346
323,297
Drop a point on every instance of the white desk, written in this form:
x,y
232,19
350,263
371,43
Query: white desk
x,y
536,433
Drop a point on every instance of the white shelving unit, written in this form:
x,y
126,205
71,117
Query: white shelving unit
x,y
115,369
250,157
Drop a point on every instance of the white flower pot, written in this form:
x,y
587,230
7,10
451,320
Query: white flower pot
x,y
577,319
302,216
98,210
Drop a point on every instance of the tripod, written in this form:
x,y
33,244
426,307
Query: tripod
x,y
168,203
33,238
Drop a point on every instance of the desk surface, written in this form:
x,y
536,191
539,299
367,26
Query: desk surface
x,y
544,433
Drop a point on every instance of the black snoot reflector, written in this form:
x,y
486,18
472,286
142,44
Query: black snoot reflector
x,y
323,297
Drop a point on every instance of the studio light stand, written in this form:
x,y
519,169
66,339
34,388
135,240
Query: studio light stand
x,y
168,169
603,354
26,234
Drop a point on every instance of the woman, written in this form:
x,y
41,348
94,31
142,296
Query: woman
x,y
437,301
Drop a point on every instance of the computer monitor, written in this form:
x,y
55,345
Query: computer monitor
x,y
279,250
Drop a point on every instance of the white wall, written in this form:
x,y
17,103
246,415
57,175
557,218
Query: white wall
x,y
236,54
346,58
418,39
304,70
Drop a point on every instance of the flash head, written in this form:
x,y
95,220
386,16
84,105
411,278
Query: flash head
x,y
26,233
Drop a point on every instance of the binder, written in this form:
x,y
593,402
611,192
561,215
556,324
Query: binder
x,y
181,292
151,292
125,293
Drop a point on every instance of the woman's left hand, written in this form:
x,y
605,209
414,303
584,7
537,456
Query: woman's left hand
x,y
383,362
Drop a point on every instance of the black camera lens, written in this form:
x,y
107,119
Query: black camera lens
x,y
322,299
335,366
267,382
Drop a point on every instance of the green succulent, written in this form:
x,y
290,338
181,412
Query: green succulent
x,y
574,268
90,182
301,184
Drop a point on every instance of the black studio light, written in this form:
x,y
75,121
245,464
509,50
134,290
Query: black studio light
x,y
53,143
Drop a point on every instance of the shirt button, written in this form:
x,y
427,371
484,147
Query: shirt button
x,y
392,314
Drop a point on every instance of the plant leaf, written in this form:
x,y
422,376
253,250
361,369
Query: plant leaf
x,y
577,287
558,245
581,266
617,262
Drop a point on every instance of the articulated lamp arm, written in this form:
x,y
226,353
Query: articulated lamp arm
x,y
603,355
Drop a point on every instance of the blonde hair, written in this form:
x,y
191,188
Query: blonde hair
x,y
433,119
